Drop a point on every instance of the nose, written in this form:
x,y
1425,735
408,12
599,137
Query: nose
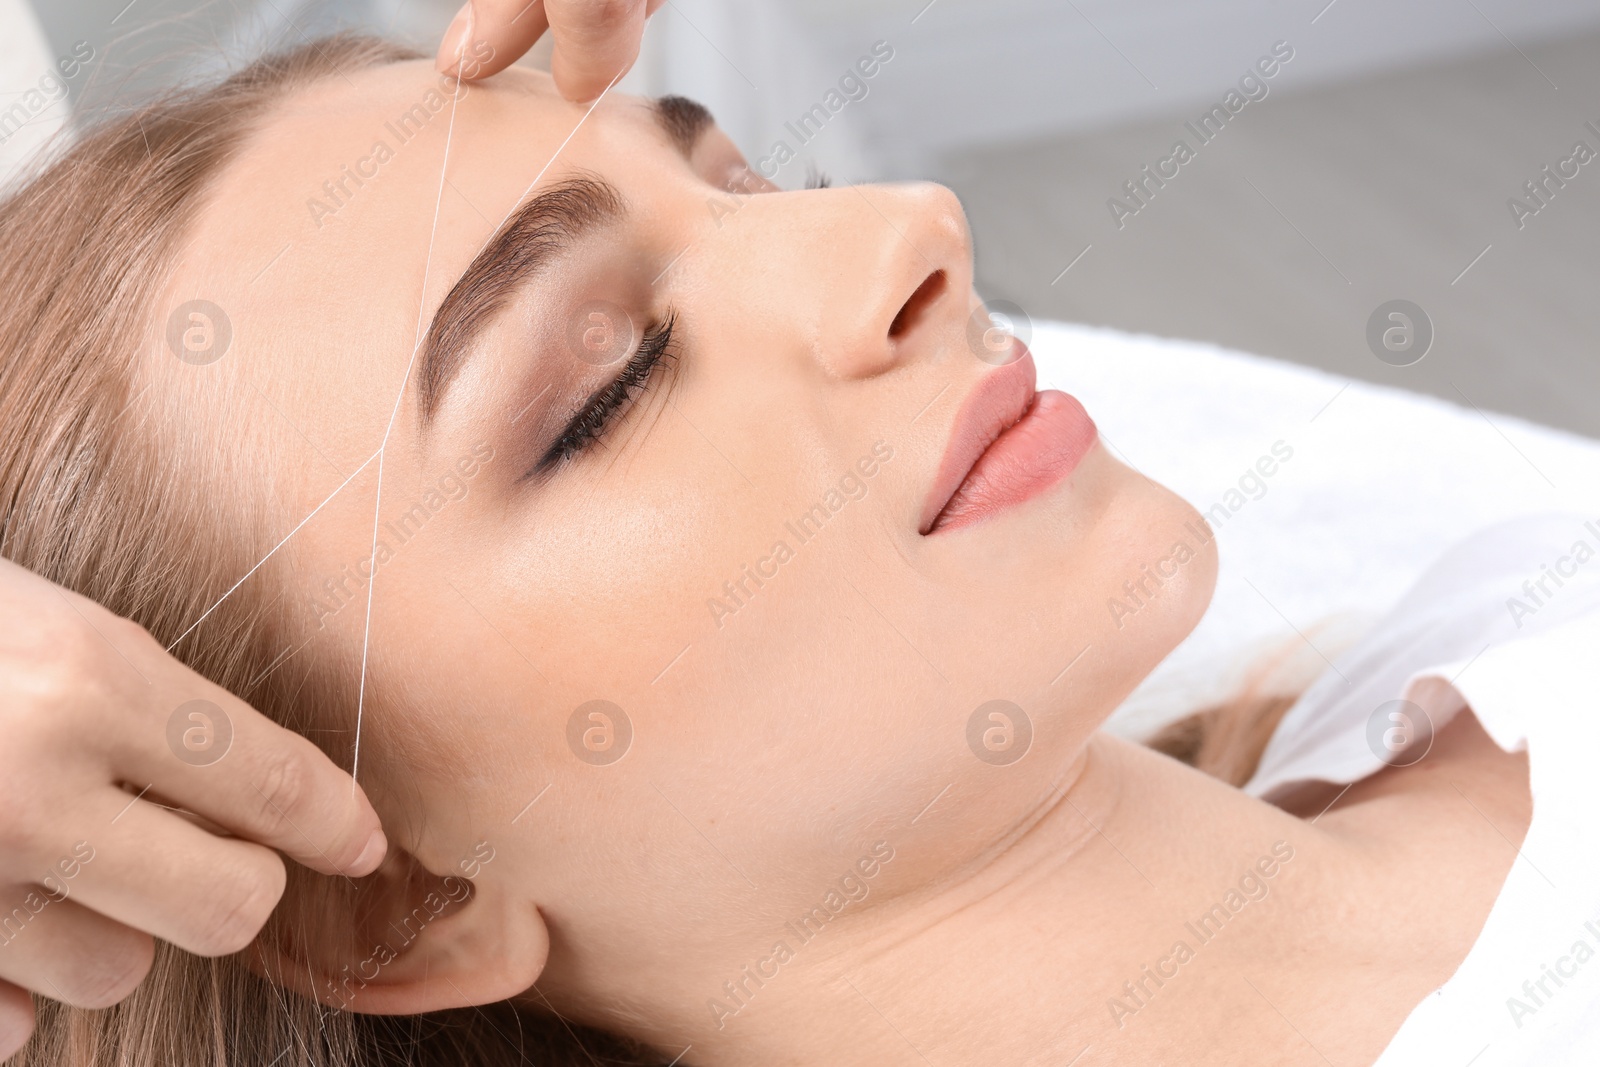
x,y
903,294
875,276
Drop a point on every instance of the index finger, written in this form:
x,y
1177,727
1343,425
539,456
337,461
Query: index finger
x,y
222,760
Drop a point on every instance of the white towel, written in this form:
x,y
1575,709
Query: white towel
x,y
1380,483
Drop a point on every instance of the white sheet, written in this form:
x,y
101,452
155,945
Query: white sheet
x,y
1380,483
1470,634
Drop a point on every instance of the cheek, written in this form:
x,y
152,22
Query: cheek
x,y
610,581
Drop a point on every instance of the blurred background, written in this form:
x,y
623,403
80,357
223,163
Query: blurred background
x,y
1383,158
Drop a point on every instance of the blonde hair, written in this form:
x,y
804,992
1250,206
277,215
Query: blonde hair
x,y
92,498
1226,739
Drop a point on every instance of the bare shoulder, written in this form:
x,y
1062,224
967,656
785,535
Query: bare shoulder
x,y
1438,839
1463,765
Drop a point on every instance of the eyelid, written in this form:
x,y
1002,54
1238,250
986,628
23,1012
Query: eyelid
x,y
612,402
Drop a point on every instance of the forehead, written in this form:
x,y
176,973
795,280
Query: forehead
x,y
338,228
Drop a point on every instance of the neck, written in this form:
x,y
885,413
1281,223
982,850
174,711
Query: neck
x,y
1137,882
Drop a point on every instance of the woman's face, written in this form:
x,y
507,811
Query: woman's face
x,y
737,563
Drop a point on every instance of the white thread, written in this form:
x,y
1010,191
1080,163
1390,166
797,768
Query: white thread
x,y
366,637
416,345
270,554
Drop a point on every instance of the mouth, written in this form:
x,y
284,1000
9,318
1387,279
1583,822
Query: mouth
x,y
1009,443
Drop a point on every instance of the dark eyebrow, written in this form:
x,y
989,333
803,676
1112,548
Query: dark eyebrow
x,y
535,233
684,121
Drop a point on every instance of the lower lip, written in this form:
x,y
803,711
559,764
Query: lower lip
x,y
1038,452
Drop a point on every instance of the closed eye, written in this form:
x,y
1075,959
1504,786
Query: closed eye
x,y
606,406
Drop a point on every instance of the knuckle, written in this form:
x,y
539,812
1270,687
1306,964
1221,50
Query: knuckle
x,y
50,689
284,784
51,673
132,637
54,670
241,903
70,642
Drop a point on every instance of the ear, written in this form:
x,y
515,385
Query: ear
x,y
402,940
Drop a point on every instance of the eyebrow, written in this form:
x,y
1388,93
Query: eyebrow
x,y
534,234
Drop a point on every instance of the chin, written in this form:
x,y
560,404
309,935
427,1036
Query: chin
x,y
1162,583
1109,564
1144,575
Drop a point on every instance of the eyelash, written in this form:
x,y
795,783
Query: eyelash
x,y
600,414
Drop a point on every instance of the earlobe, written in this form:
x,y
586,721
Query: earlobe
x,y
486,949
405,941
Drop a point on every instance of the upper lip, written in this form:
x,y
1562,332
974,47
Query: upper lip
x,y
996,404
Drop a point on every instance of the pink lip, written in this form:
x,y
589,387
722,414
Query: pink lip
x,y
1008,445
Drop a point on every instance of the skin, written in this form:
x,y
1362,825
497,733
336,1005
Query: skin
x,y
830,712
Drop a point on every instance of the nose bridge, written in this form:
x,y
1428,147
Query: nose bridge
x,y
868,276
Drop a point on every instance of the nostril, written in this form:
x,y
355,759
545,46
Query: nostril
x,y
917,304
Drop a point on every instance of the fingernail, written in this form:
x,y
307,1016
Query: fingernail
x,y
454,45
371,854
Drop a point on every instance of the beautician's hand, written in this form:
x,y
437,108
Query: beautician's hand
x,y
92,712
596,41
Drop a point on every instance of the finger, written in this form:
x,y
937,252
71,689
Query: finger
x,y
60,949
487,36
202,747
151,870
229,764
596,42
16,1019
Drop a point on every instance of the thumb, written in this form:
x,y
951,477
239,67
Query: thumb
x,y
596,42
